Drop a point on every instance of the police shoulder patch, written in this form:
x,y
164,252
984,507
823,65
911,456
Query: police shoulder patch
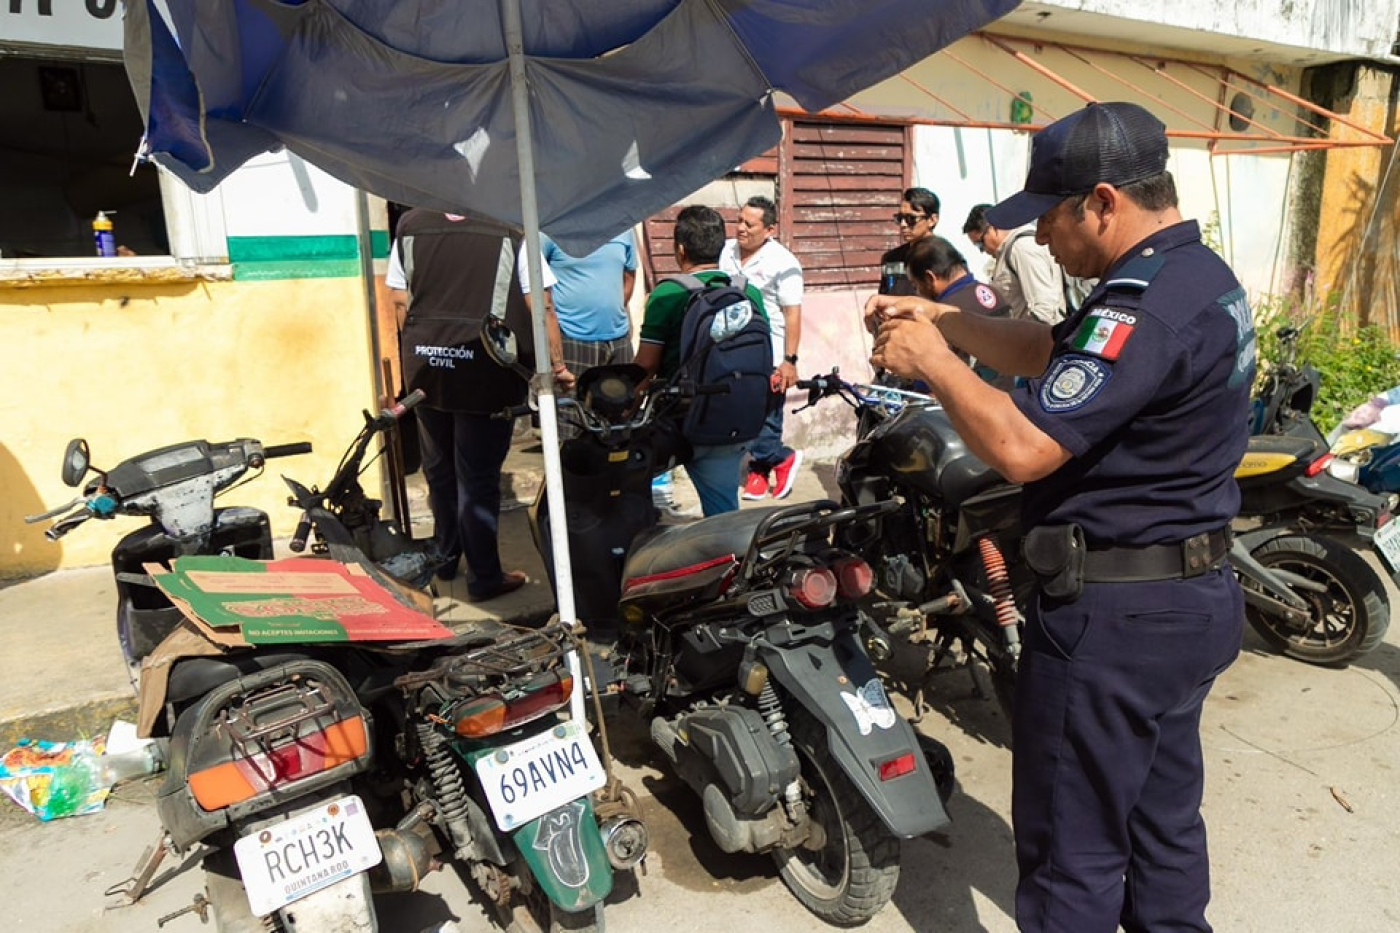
x,y
1072,382
986,297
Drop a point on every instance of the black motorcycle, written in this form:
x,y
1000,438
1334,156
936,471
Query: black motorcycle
x,y
317,774
951,584
742,641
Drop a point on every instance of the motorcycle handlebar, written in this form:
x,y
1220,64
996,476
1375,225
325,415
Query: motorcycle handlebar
x,y
286,450
406,404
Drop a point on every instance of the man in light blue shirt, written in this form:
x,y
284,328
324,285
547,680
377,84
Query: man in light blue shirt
x,y
590,300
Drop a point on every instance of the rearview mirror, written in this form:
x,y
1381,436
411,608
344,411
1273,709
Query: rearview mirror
x,y
75,462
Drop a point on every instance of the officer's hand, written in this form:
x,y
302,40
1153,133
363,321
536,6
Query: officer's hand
x,y
881,308
908,346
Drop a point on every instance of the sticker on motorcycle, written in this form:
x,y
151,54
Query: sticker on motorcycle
x,y
559,839
870,707
1072,382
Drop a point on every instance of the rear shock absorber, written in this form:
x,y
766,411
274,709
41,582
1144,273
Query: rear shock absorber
x,y
999,584
448,783
771,709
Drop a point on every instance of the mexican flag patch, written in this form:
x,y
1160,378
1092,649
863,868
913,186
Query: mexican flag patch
x,y
1104,332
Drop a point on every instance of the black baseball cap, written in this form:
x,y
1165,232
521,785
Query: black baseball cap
x,y
1112,143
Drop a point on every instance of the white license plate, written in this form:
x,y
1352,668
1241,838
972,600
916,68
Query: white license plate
x,y
294,858
539,774
1388,543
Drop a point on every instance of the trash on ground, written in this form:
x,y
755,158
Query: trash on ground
x,y
58,779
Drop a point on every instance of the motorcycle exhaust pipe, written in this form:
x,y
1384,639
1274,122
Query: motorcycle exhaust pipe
x,y
625,839
406,861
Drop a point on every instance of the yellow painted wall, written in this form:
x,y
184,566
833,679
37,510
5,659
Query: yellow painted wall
x,y
1358,237
135,367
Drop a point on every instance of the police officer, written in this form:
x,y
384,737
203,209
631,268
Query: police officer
x,y
1126,438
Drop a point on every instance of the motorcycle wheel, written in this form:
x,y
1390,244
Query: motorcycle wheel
x,y
1344,622
854,872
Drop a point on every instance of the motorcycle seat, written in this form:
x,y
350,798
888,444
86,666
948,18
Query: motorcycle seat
x,y
1299,448
194,677
678,549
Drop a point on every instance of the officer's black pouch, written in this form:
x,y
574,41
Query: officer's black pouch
x,y
1056,555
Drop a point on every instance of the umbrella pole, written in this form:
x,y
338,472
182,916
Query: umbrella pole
x,y
544,378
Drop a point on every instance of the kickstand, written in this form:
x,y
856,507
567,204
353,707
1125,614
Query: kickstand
x,y
135,887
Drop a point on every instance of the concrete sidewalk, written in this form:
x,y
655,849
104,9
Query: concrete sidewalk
x,y
61,673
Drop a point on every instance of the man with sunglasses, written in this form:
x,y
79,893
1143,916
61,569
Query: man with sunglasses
x,y
1125,437
916,217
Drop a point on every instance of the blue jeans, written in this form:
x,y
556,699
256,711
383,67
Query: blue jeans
x,y
462,457
767,451
714,471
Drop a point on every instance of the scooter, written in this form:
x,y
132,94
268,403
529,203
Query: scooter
x,y
281,754
741,641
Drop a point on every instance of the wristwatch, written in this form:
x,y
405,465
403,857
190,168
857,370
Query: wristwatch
x,y
791,358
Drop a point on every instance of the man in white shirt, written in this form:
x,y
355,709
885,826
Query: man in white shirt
x,y
773,270
1024,272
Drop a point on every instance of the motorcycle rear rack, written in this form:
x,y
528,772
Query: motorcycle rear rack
x,y
249,738
780,532
522,652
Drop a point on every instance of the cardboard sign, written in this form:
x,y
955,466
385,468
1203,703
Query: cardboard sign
x,y
236,602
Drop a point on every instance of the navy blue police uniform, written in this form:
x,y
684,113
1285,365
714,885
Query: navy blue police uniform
x,y
974,297
1148,389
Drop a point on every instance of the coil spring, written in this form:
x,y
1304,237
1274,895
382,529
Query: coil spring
x,y
446,777
771,709
999,584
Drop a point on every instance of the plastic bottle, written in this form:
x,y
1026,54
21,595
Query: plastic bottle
x,y
72,786
663,490
103,236
126,766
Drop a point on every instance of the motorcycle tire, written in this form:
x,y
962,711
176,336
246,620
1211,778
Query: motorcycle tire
x,y
853,874
1345,621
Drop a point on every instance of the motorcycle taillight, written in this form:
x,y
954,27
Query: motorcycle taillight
x,y
1318,465
813,587
503,710
854,578
255,770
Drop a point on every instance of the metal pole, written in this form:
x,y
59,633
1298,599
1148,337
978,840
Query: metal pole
x,y
549,425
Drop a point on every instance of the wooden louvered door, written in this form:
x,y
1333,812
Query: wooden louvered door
x,y
839,185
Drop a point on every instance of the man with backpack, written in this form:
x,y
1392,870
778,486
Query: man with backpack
x,y
1024,271
707,331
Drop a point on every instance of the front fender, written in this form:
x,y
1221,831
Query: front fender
x,y
837,683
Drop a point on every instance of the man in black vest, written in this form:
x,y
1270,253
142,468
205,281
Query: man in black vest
x,y
449,272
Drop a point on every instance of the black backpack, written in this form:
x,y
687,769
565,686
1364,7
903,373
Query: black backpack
x,y
725,341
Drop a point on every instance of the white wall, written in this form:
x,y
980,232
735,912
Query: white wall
x,y
1325,28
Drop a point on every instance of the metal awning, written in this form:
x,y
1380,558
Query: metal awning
x,y
1227,100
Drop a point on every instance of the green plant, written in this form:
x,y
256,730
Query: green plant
x,y
1356,363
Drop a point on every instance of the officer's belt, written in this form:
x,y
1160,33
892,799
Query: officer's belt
x,y
1196,555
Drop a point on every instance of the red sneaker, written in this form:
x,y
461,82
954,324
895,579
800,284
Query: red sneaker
x,y
785,473
755,487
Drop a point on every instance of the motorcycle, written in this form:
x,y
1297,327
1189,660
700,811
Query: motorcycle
x,y
742,642
951,586
1308,591
1283,404
318,775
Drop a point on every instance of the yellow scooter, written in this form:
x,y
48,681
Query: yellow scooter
x,y
1307,590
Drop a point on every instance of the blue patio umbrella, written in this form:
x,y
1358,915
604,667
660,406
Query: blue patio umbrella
x,y
580,117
